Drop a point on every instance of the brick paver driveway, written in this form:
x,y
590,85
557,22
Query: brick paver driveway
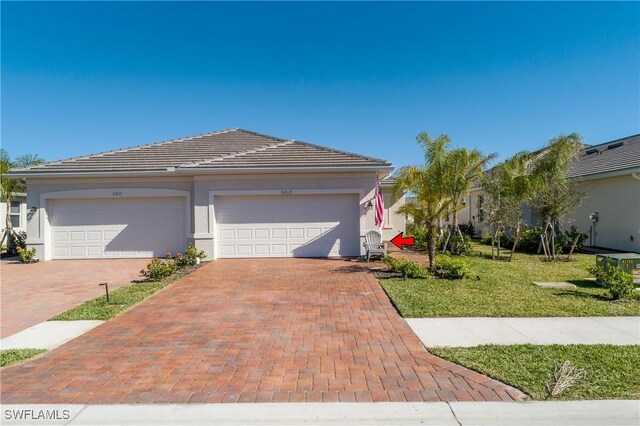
x,y
252,330
34,293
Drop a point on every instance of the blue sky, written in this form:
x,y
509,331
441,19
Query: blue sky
x,y
79,78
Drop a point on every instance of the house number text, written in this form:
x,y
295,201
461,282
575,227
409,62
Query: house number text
x,y
286,191
117,193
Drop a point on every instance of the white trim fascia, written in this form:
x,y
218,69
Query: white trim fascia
x,y
290,170
114,193
615,173
211,226
204,171
115,180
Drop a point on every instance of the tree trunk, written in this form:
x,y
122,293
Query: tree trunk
x,y
573,246
515,243
454,219
544,244
553,242
431,244
493,243
446,242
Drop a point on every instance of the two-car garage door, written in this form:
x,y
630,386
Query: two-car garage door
x,y
287,225
317,225
111,228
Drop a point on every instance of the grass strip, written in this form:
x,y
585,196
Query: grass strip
x,y
611,372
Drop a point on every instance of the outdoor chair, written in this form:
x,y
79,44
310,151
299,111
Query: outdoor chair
x,y
373,245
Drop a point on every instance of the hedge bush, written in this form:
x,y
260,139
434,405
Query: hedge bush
x,y
452,268
408,268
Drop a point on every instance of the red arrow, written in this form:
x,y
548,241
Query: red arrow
x,y
400,241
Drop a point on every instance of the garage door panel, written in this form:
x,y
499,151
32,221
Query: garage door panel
x,y
286,226
109,228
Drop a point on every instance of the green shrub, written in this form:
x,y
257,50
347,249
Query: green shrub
x,y
529,240
190,257
26,256
486,239
16,240
468,229
408,268
568,237
452,268
419,235
158,269
618,282
460,245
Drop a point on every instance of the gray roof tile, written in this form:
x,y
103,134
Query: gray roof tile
x,y
620,154
235,148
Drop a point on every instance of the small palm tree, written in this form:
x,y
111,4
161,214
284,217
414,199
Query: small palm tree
x,y
463,168
11,186
426,182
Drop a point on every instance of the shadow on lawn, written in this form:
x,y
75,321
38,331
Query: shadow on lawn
x,y
585,283
579,294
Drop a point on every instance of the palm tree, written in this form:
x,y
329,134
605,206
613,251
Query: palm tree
x,y
463,168
11,186
425,181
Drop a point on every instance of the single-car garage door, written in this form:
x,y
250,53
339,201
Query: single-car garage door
x,y
110,228
287,226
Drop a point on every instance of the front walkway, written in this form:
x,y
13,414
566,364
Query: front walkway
x,y
47,334
259,330
466,332
34,293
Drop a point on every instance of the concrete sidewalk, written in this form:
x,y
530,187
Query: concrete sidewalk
x,y
466,332
583,413
47,334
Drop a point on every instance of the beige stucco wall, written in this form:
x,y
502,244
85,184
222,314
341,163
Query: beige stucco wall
x,y
617,201
394,222
469,212
200,190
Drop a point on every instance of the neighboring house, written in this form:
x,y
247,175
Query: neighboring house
x,y
17,213
394,222
609,176
472,213
232,193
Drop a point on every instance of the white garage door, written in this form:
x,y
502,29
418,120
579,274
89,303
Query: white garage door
x,y
126,227
287,226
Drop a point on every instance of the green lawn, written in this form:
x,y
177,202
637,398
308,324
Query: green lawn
x,y
14,356
121,299
505,289
612,372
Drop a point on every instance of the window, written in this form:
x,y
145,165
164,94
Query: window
x,y
15,214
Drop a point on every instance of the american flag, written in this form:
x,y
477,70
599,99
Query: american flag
x,y
379,206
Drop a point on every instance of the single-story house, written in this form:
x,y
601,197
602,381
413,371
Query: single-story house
x,y
609,176
17,212
233,193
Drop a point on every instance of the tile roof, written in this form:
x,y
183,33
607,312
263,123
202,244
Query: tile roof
x,y
617,155
234,148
